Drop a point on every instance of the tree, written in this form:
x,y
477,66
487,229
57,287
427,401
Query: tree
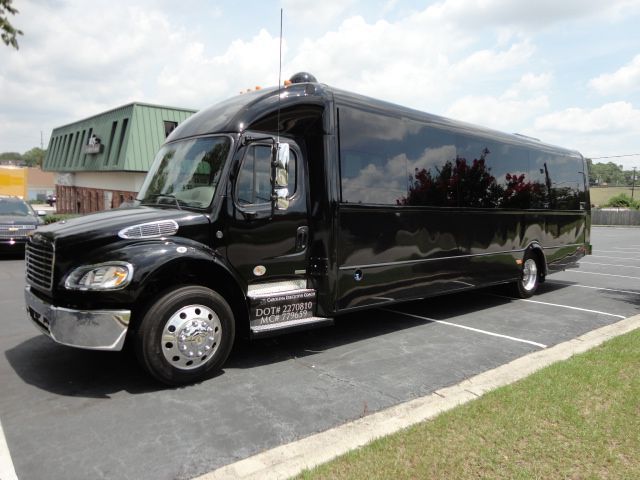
x,y
7,31
10,156
609,173
34,157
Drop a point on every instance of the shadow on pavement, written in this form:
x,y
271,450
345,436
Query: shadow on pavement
x,y
68,371
93,374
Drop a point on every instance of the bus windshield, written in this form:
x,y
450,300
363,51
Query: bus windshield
x,y
186,173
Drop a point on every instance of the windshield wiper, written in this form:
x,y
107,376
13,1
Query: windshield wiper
x,y
162,195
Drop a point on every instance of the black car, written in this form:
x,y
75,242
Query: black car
x,y
17,221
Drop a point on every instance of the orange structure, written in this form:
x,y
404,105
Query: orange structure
x,y
13,181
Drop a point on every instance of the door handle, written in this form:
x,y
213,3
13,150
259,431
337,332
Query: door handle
x,y
302,237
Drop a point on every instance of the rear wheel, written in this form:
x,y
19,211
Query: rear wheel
x,y
185,334
530,277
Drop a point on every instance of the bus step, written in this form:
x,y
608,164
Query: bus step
x,y
298,324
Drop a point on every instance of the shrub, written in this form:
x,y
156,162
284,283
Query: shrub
x,y
623,201
56,217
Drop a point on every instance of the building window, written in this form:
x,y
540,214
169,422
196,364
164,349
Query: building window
x,y
169,127
114,125
123,133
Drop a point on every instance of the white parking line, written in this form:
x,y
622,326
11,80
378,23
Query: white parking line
x,y
559,305
594,288
7,471
477,330
604,274
608,264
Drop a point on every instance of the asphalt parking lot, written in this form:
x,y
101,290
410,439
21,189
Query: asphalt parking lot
x,y
73,414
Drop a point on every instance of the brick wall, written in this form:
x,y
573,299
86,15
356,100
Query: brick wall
x,y
87,200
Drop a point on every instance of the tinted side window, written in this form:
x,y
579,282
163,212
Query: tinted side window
x,y
431,166
473,173
566,182
539,167
510,166
561,178
398,161
254,179
373,159
253,186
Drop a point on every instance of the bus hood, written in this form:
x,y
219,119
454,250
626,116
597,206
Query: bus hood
x,y
124,225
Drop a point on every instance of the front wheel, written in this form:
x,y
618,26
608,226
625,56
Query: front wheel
x,y
185,334
530,278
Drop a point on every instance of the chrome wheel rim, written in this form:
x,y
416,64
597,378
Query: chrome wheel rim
x,y
529,274
191,337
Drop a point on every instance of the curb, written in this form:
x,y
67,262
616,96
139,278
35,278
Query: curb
x,y
288,460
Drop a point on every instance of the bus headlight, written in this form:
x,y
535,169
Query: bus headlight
x,y
106,276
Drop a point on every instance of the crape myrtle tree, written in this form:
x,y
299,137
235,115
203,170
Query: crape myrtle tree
x,y
8,32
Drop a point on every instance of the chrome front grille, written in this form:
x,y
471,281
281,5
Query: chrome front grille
x,y
39,258
16,231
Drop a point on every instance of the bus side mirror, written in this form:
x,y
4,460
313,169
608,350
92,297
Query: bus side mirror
x,y
282,165
280,177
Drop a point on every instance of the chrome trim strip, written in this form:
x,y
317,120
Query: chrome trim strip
x,y
568,245
424,260
89,329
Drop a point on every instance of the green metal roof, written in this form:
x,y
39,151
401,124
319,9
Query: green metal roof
x,y
129,137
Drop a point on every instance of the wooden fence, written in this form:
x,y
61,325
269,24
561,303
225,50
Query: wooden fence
x,y
615,217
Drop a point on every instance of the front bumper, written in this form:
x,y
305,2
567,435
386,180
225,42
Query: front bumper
x,y
90,329
13,243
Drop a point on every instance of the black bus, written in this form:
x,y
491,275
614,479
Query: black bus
x,y
283,208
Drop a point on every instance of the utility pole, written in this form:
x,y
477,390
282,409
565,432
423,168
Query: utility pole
x,y
633,182
41,141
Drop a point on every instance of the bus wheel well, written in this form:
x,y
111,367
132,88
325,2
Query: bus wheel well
x,y
195,273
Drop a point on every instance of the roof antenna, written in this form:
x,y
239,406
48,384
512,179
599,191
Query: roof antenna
x,y
279,79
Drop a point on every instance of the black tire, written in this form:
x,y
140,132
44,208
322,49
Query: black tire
x,y
530,275
185,334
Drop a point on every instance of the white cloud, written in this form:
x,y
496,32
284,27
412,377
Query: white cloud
x,y
618,117
316,12
624,80
468,59
537,14
492,61
67,68
196,78
529,84
140,54
513,111
414,61
611,129
509,115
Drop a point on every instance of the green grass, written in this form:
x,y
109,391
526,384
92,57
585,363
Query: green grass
x,y
601,195
578,419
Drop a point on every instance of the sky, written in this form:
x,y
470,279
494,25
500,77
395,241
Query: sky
x,y
564,71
